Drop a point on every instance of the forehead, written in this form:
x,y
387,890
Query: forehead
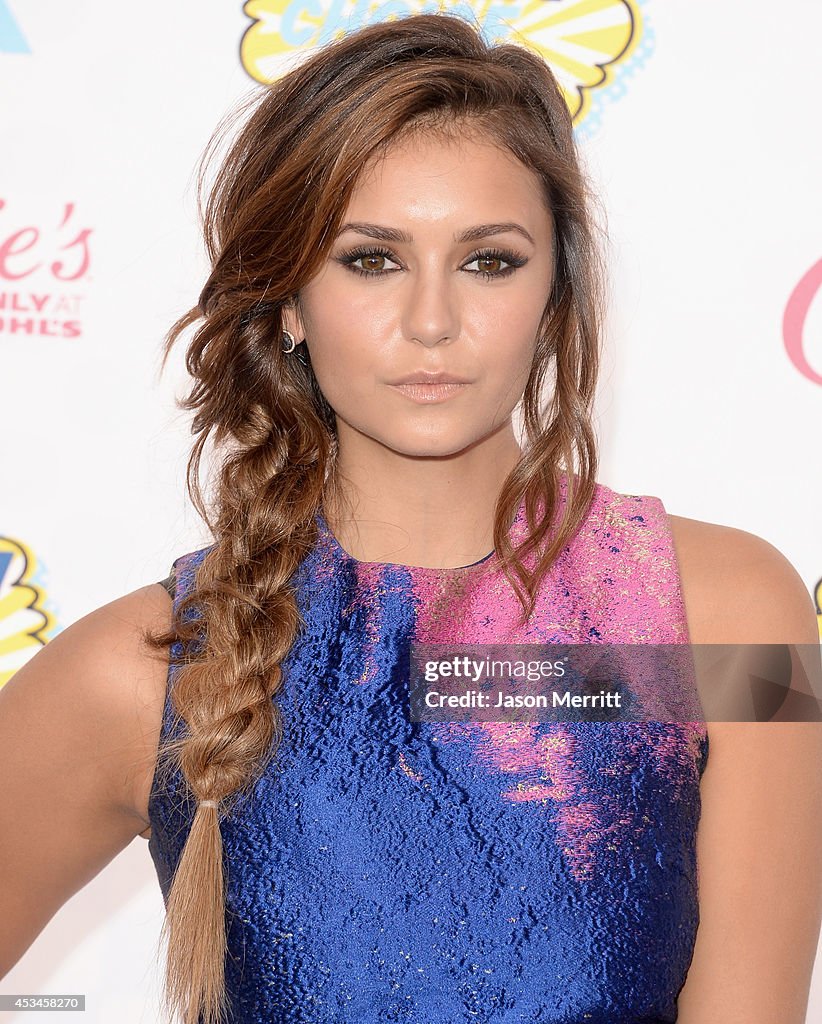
x,y
430,174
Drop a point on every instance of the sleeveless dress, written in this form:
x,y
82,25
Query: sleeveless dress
x,y
392,871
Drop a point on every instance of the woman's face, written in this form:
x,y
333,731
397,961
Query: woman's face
x,y
405,291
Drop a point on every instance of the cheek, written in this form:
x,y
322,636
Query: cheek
x,y
510,375
338,299
343,362
342,325
508,345
348,348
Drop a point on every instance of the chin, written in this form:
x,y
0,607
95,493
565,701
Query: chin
x,y
431,447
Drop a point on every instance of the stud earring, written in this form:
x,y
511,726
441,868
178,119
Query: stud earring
x,y
299,348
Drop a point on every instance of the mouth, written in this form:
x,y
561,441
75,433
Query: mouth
x,y
433,392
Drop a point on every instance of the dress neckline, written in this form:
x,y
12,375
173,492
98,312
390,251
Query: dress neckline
x,y
326,532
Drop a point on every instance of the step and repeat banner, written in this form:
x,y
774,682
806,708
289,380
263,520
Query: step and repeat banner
x,y
698,124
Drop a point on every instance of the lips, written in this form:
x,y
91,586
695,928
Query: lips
x,y
421,377
432,393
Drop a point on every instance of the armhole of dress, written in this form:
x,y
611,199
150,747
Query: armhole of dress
x,y
169,584
665,540
667,533
158,793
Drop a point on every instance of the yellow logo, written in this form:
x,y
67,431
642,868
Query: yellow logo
x,y
23,619
584,42
818,598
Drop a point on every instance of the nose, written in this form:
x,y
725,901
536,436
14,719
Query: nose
x,y
431,308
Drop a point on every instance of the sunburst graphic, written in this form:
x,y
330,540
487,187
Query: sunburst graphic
x,y
589,45
24,621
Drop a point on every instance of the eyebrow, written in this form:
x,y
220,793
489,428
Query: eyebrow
x,y
385,234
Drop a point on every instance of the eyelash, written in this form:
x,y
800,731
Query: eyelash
x,y
348,259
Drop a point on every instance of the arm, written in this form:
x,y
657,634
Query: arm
x,y
759,848
79,725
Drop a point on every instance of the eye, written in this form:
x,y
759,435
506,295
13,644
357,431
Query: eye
x,y
374,256
514,260
370,256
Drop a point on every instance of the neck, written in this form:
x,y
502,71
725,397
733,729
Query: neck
x,y
435,511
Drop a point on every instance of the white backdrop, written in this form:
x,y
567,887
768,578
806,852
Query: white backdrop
x,y
702,137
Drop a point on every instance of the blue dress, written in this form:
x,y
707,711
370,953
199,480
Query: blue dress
x,y
387,871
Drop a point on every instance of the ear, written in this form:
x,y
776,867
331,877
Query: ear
x,y
292,320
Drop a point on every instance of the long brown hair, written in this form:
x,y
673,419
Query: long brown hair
x,y
271,216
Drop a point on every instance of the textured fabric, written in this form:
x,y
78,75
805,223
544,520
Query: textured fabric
x,y
492,873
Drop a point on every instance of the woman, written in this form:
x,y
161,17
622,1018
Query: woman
x,y
408,203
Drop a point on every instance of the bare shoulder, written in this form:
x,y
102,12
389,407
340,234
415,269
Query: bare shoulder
x,y
740,588
116,631
99,682
143,682
79,728
759,846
